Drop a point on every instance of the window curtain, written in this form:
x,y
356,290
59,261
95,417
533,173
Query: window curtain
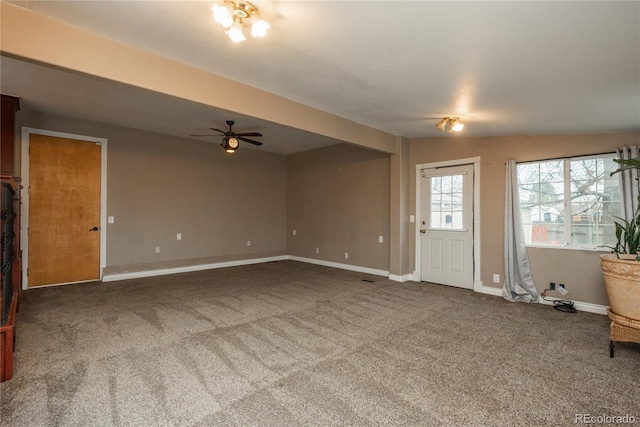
x,y
628,182
518,281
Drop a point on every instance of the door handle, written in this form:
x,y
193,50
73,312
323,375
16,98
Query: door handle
x,y
94,229
422,230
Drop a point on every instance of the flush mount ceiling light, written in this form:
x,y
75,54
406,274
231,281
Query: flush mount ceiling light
x,y
231,15
455,125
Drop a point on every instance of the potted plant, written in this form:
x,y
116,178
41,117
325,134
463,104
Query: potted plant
x,y
621,270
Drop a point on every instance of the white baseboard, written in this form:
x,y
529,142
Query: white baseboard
x,y
404,278
186,269
580,306
490,290
189,268
340,265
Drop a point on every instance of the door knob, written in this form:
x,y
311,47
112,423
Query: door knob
x,y
422,230
94,229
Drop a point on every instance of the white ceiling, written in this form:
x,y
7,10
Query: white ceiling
x,y
505,68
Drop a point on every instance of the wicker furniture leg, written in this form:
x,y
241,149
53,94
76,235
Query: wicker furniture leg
x,y
622,329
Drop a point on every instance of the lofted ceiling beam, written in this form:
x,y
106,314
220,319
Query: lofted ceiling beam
x,y
34,37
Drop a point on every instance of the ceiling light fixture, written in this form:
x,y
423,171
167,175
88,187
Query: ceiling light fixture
x,y
231,15
455,125
230,144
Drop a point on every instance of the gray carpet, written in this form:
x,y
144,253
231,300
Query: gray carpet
x,y
287,344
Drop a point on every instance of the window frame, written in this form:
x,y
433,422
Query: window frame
x,y
566,174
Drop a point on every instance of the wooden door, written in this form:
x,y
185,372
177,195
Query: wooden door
x,y
64,211
446,226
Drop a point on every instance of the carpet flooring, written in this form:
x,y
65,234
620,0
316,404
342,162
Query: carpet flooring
x,y
293,344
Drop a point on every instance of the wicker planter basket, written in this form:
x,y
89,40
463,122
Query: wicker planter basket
x,y
622,278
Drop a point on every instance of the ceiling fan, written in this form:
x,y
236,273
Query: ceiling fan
x,y
230,141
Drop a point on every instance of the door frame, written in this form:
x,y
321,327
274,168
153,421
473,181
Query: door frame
x,y
475,161
24,216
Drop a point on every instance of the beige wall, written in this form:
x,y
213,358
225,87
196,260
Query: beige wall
x,y
338,201
579,270
400,229
160,185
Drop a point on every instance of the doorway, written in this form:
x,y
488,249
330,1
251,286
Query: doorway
x,y
447,238
65,193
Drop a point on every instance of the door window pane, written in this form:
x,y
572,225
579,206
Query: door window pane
x,y
446,202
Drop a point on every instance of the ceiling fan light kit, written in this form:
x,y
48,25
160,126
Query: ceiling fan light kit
x,y
231,14
230,144
231,140
454,123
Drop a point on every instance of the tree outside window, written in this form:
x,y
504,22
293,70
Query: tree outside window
x,y
569,202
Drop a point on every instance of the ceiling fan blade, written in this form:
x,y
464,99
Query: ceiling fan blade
x,y
250,141
203,135
218,130
249,134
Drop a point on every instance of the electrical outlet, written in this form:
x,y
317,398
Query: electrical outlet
x,y
496,278
552,286
380,239
248,242
110,219
157,249
294,232
346,255
317,250
179,236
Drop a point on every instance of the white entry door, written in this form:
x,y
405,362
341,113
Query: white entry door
x,y
446,226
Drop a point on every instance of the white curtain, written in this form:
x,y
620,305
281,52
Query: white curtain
x,y
518,281
628,183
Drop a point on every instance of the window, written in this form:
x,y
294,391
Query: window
x,y
570,202
446,202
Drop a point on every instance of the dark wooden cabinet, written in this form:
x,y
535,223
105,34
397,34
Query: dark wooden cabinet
x,y
11,274
10,105
10,252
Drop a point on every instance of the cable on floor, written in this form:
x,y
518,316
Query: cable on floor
x,y
566,306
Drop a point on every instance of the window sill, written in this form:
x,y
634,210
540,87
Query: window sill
x,y
571,247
